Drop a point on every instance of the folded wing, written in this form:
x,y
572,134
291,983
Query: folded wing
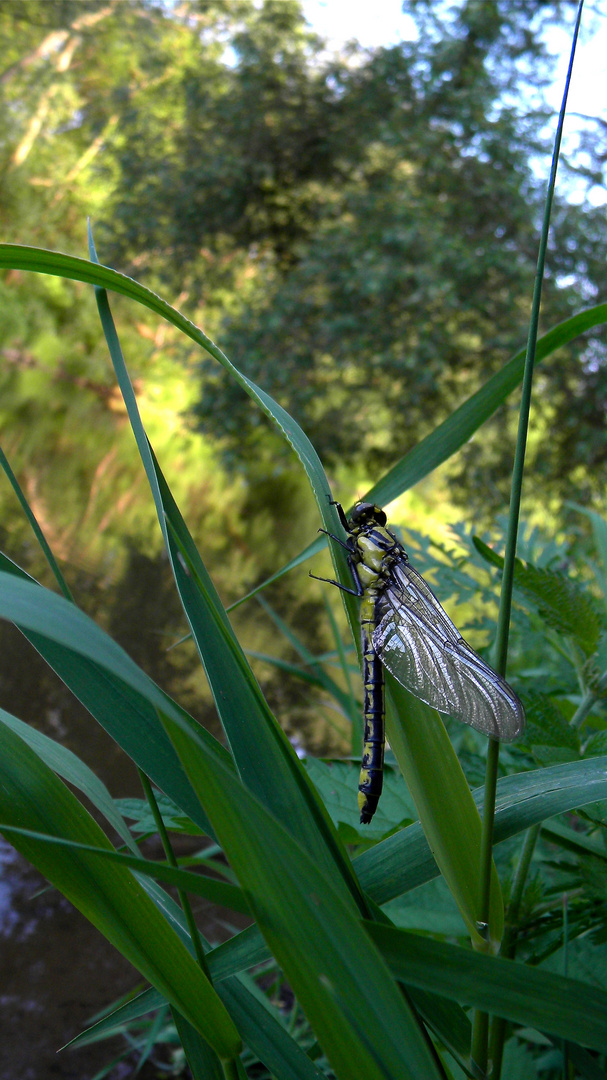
x,y
417,642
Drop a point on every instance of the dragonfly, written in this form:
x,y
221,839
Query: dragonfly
x,y
405,630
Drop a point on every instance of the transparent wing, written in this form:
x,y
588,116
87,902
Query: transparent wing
x,y
417,642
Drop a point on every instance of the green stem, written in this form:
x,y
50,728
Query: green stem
x,y
480,1040
518,888
231,1069
487,829
170,857
480,1024
585,706
590,698
480,1027
567,1065
503,621
508,950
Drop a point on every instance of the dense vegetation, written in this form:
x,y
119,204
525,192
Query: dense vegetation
x,y
359,233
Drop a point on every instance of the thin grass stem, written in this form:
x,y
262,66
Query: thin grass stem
x,y
40,537
170,857
480,1027
508,950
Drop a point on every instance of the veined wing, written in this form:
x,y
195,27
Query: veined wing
x,y
417,642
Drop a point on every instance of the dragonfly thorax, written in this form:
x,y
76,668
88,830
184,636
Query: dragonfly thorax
x,y
375,553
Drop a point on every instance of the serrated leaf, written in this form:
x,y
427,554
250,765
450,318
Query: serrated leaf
x,y
546,724
596,745
139,812
563,604
337,782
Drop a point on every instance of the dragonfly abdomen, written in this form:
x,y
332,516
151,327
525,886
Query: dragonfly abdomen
x,y
371,774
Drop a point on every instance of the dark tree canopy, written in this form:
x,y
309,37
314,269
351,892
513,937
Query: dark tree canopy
x,y
360,232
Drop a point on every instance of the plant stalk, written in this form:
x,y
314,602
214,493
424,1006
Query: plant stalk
x,y
480,1027
508,950
170,857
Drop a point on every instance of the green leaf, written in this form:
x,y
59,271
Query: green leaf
x,y
123,710
432,451
312,930
445,440
546,725
563,1007
201,1058
259,746
446,808
404,860
271,1042
460,426
337,782
67,765
599,532
214,890
572,840
32,797
138,811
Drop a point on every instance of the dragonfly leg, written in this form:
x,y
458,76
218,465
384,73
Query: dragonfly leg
x,y
340,511
341,543
330,581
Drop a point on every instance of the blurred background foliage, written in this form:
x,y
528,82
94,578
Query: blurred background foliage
x,y
358,231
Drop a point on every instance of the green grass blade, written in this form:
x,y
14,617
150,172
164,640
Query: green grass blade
x,y
217,892
37,609
446,439
32,797
430,453
259,746
201,1058
38,533
313,669
441,444
267,1039
123,1014
311,929
480,1027
404,861
69,767
125,712
563,1007
266,1036
447,811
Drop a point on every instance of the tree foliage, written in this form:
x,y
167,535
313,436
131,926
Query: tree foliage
x,y
375,220
358,231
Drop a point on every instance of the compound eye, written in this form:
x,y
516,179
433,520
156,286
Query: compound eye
x,y
365,513
361,513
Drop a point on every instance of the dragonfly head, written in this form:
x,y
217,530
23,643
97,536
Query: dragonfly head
x,y
365,513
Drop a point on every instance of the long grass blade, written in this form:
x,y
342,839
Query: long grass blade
x,y
404,861
32,797
310,930
260,747
503,620
565,1008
